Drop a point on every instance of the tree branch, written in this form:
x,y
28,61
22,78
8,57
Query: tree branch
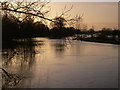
x,y
27,13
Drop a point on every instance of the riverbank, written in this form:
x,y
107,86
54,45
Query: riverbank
x,y
98,40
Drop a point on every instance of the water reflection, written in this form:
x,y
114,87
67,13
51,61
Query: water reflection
x,y
19,59
52,64
59,46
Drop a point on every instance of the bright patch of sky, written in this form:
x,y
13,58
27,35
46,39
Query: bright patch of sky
x,y
85,0
68,0
97,14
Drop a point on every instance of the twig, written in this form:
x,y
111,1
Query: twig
x,y
5,72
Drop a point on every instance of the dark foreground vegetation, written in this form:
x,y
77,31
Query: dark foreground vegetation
x,y
18,22
12,28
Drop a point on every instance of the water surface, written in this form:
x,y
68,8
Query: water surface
x,y
52,64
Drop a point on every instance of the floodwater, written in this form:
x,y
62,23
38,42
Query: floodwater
x,y
53,64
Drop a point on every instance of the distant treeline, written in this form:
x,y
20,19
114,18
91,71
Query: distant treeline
x,y
13,28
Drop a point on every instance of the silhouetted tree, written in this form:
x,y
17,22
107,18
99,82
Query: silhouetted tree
x,y
91,31
59,22
10,25
19,17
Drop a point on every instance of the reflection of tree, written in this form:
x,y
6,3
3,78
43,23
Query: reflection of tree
x,y
59,46
19,59
20,55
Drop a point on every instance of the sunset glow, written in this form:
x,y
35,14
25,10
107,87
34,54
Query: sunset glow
x,y
97,14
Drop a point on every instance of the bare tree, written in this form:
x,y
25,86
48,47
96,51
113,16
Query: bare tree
x,y
61,20
76,22
25,9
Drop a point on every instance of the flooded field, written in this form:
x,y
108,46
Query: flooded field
x,y
52,64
